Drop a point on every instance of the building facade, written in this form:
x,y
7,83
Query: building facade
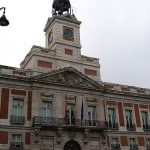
x,y
57,101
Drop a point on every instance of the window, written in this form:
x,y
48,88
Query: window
x,y
115,143
70,116
16,141
112,118
133,145
144,115
46,112
129,120
148,144
92,115
17,111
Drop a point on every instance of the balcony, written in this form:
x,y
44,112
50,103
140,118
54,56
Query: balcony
x,y
115,147
131,127
113,126
146,127
67,123
16,146
20,120
134,147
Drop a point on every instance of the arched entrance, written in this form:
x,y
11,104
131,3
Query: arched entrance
x,y
72,145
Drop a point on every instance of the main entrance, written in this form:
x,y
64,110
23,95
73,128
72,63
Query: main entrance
x,y
72,145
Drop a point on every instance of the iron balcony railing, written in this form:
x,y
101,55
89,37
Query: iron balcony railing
x,y
17,119
16,146
63,122
113,125
131,127
146,127
115,147
134,147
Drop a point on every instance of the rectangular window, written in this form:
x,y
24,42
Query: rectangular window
x,y
148,144
129,120
133,145
144,115
18,105
16,141
46,112
70,115
112,118
115,143
17,116
92,115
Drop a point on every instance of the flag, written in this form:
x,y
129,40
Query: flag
x,y
82,111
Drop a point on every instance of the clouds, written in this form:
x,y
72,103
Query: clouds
x,y
115,31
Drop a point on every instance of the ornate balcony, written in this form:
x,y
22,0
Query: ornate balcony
x,y
115,147
131,127
16,146
113,126
69,123
134,147
17,120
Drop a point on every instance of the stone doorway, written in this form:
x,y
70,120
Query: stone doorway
x,y
72,145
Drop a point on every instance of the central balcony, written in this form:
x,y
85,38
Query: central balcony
x,y
69,123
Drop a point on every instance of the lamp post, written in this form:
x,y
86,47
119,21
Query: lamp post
x,y
3,20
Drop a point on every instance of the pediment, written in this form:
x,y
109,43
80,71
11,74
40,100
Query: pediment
x,y
68,77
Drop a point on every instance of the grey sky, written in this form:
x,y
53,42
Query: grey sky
x,y
116,31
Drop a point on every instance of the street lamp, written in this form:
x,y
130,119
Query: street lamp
x,y
3,20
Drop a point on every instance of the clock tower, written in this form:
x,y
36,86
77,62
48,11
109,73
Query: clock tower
x,y
62,33
62,45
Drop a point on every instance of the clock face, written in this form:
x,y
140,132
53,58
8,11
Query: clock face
x,y
68,33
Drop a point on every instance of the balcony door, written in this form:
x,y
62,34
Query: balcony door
x,y
46,112
72,145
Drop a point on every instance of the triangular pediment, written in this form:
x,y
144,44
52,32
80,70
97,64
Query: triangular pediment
x,y
68,76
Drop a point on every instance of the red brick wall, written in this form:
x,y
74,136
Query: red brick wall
x,y
143,106
127,104
18,92
124,140
3,137
120,112
141,141
27,138
90,72
137,115
45,64
29,109
4,103
113,103
68,52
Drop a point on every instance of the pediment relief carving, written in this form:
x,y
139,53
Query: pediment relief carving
x,y
69,78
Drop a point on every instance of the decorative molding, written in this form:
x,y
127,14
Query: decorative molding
x,y
47,95
91,100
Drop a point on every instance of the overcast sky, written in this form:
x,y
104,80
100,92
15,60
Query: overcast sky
x,y
115,31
